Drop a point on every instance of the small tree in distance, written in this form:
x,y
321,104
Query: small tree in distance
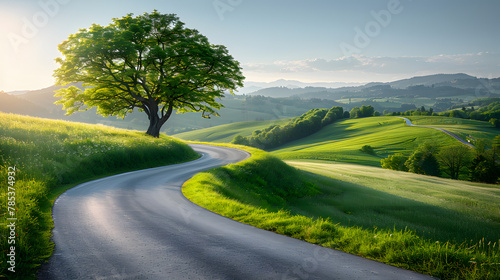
x,y
149,62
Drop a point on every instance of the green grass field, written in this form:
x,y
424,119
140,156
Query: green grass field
x,y
225,133
460,127
51,156
342,141
437,208
444,228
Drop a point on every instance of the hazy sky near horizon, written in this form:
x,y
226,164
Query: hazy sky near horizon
x,y
309,41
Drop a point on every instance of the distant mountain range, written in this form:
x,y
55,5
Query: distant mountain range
x,y
255,86
440,85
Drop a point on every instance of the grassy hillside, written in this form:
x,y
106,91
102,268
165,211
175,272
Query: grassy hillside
x,y
433,207
460,127
46,157
225,133
430,225
342,141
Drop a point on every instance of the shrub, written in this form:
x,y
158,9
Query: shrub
x,y
367,149
395,162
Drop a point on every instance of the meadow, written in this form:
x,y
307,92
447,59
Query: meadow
x,y
463,128
52,156
430,225
342,141
225,133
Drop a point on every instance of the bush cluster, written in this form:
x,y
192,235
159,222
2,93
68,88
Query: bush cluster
x,y
454,161
302,126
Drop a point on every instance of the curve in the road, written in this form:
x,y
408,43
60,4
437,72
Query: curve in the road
x,y
138,225
408,122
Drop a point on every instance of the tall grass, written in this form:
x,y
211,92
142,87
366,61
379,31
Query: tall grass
x,y
51,156
230,191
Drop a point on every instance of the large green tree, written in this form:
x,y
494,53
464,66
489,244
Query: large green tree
x,y
150,62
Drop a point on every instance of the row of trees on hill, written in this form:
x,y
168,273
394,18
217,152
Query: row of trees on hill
x,y
454,161
364,111
302,126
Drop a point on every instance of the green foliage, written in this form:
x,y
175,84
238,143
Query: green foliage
x,y
51,156
150,62
423,160
335,113
240,140
277,135
395,162
355,113
484,167
495,122
364,111
455,159
367,149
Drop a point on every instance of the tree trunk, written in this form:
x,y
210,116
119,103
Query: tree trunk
x,y
155,122
154,126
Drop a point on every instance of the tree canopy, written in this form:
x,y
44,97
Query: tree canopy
x,y
150,62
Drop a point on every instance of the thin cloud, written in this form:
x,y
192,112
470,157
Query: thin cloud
x,y
481,64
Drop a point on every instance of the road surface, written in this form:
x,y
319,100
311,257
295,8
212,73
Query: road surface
x,y
138,225
408,122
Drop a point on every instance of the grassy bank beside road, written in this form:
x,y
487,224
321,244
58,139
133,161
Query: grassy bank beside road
x,y
441,231
50,157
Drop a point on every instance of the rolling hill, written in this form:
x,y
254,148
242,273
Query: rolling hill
x,y
441,92
226,132
342,140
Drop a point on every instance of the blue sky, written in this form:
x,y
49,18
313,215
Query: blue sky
x,y
309,41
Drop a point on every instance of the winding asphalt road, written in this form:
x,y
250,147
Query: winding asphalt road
x,y
408,122
138,225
